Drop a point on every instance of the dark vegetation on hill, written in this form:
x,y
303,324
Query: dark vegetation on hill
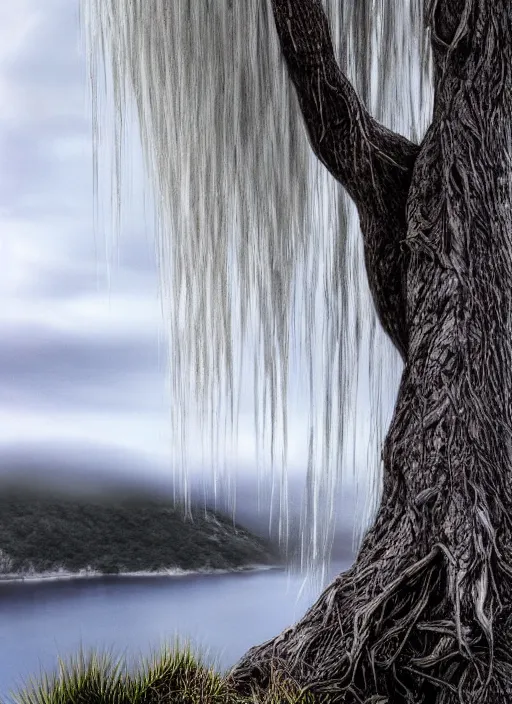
x,y
43,533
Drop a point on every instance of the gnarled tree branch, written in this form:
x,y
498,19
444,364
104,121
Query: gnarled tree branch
x,y
348,141
372,163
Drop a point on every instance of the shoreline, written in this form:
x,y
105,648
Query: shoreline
x,y
59,575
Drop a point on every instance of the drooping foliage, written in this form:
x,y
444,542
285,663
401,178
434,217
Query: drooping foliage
x,y
259,252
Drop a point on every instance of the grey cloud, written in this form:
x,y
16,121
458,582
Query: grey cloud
x,y
42,350
77,468
42,368
46,395
134,273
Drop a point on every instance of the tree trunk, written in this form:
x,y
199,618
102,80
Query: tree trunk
x,y
425,612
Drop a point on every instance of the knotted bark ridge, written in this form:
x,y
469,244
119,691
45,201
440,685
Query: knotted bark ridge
x,y
425,613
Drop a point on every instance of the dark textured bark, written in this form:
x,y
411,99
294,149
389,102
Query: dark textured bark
x,y
425,613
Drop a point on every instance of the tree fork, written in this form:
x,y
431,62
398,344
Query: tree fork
x,y
425,612
372,163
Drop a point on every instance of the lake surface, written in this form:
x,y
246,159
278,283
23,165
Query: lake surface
x,y
221,614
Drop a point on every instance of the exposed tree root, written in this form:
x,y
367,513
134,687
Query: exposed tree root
x,y
409,629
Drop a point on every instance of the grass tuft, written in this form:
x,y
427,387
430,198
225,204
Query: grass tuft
x,y
91,678
173,675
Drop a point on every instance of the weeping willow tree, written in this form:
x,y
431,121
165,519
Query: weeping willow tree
x,y
257,254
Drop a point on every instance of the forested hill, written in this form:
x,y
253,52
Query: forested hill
x,y
42,533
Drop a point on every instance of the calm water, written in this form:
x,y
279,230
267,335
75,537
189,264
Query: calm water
x,y
224,614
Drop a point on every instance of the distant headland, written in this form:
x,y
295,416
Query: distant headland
x,y
54,537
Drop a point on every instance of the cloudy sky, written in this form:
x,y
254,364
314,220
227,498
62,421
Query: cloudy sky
x,y
81,368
